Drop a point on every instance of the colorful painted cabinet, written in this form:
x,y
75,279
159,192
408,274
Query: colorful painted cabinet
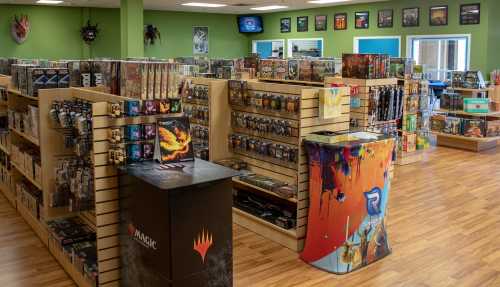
x,y
349,186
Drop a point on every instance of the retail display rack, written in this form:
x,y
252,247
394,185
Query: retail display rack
x,y
307,120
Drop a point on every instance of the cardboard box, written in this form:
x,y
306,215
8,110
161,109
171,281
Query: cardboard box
x,y
476,105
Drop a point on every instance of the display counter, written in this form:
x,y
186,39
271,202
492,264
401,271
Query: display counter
x,y
176,224
349,185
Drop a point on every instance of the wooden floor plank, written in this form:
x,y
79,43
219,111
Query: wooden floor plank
x,y
444,228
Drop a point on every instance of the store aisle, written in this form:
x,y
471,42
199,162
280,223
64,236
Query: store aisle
x,y
444,225
24,260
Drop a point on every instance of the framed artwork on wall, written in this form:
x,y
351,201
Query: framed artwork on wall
x,y
302,24
438,15
286,25
320,23
411,17
470,14
362,20
386,18
200,40
340,21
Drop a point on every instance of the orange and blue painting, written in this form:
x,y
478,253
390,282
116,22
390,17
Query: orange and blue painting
x,y
348,193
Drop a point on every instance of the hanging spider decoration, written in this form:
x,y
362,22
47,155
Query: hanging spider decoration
x,y
151,33
20,28
89,32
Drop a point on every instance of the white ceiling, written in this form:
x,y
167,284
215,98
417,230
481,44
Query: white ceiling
x,y
174,5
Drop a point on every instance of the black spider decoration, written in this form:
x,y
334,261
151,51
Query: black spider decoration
x,y
151,33
89,32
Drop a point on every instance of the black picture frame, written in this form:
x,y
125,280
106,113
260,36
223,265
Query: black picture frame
x,y
468,17
340,21
319,24
385,18
438,15
302,24
286,25
362,20
409,19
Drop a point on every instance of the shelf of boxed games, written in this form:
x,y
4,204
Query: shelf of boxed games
x,y
205,102
301,119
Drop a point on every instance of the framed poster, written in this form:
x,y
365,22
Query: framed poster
x,y
286,25
362,20
470,14
411,17
438,15
340,21
302,24
320,23
200,40
386,18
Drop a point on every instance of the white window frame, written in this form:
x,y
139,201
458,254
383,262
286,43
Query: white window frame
x,y
254,44
356,42
290,47
411,38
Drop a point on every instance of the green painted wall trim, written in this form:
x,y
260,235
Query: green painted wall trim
x,y
132,28
338,42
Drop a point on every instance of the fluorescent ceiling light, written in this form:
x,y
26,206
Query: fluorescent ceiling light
x,y
53,2
326,1
272,7
209,5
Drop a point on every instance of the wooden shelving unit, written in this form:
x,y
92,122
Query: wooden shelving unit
x,y
359,115
293,82
219,123
307,121
27,176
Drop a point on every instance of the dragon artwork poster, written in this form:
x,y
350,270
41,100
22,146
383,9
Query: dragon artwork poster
x,y
349,187
175,140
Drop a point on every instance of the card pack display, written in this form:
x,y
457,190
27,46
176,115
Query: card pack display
x,y
175,143
68,231
305,70
132,108
134,152
385,103
293,69
133,132
264,125
365,66
265,148
148,131
238,92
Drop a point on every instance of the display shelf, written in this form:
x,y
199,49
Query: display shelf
x,y
38,227
26,175
219,122
466,143
293,82
4,149
471,90
307,120
67,265
490,114
287,238
104,218
9,194
27,137
239,182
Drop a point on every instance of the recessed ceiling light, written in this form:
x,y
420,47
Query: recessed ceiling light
x,y
326,1
209,5
272,7
53,2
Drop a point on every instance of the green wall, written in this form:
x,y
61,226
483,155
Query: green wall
x,y
176,32
55,33
338,42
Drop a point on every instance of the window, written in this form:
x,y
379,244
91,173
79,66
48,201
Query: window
x,y
440,54
269,48
298,48
390,45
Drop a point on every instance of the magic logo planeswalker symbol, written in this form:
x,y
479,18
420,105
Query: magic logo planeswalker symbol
x,y
142,238
203,243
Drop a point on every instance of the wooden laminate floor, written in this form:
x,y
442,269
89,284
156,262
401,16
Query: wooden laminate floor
x,y
444,226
